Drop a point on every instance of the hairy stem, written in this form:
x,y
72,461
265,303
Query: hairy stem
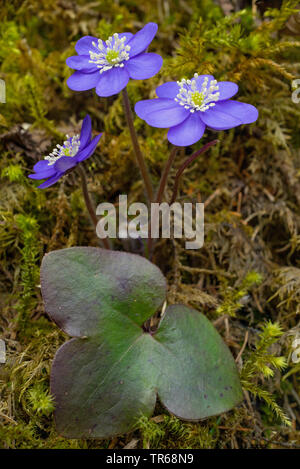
x,y
164,176
187,162
160,192
137,150
89,204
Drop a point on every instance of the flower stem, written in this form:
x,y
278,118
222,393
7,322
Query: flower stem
x,y
160,192
137,150
164,176
187,162
89,204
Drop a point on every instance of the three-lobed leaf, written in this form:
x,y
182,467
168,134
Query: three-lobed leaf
x,y
110,374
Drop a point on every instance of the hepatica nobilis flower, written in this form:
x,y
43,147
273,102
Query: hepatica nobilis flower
x,y
65,157
186,107
108,65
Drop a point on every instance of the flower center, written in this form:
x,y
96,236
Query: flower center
x,y
197,98
70,148
194,98
111,53
112,56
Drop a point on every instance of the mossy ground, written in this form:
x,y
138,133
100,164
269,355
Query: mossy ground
x,y
246,278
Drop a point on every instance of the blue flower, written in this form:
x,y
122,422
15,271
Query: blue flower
x,y
108,66
186,107
65,157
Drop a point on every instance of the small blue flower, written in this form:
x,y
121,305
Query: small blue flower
x,y
108,66
65,157
186,107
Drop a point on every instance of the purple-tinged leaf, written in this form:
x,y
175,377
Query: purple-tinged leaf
x,y
111,373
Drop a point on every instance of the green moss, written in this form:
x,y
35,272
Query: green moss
x,y
233,298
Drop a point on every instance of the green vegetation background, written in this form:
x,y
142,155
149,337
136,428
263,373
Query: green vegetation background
x,y
246,278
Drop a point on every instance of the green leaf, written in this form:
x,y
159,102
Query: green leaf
x,y
111,373
198,374
86,289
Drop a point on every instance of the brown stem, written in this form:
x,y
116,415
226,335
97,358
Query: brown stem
x,y
164,176
160,191
137,150
89,204
187,162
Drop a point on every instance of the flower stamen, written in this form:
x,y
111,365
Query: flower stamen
x,y
70,148
195,99
111,53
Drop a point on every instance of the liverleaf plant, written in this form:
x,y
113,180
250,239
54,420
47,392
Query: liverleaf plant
x,y
111,371
114,368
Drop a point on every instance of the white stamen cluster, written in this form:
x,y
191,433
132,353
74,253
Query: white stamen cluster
x,y
112,53
70,147
195,99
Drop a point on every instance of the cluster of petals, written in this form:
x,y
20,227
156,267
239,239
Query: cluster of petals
x,y
108,65
187,107
65,157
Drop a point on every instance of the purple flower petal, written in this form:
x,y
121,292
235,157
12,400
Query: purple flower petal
x,y
86,132
167,117
80,81
41,165
144,66
85,45
219,120
227,89
201,79
89,150
64,163
146,106
188,132
81,62
112,81
243,111
168,90
142,39
43,174
50,181
127,35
